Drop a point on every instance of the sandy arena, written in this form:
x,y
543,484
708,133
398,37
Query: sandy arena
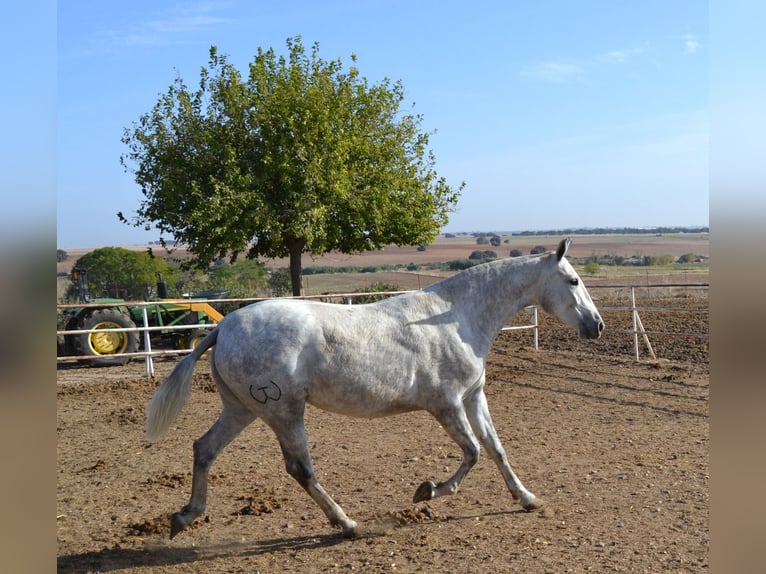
x,y
618,449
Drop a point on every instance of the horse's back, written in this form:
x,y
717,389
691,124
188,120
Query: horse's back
x,y
288,333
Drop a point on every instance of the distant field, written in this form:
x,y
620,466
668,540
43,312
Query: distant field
x,y
446,249
461,246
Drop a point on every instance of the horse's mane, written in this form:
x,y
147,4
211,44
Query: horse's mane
x,y
508,264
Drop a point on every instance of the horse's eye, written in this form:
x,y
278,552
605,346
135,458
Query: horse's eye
x,y
574,281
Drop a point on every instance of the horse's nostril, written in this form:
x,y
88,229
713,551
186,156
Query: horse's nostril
x,y
601,326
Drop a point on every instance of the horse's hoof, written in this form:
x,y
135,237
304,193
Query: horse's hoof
x,y
532,504
425,491
349,533
177,524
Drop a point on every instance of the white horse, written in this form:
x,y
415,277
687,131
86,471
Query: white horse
x,y
425,350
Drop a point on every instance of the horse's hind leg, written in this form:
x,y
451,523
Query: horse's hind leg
x,y
206,449
292,440
481,421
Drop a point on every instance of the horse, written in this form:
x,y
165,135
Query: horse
x,y
422,350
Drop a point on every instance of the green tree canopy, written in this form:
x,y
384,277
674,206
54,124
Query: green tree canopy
x,y
302,155
119,272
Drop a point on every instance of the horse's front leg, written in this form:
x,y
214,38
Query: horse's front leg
x,y
457,426
206,449
481,422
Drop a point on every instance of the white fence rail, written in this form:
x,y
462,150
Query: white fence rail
x,y
638,332
638,326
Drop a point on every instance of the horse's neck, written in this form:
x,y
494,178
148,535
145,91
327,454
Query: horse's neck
x,y
509,287
488,296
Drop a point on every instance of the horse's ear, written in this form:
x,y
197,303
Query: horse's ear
x,y
562,248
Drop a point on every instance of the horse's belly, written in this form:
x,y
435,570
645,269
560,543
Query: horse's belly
x,y
357,400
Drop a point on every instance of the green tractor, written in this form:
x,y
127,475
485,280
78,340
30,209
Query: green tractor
x,y
101,314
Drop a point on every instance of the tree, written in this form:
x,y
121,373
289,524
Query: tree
x,y
61,255
119,272
538,249
300,156
516,253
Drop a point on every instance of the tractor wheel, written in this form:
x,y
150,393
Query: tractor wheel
x,y
194,338
105,344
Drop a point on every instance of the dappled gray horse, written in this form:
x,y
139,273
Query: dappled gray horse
x,y
425,350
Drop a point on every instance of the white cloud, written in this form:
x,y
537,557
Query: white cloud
x,y
186,23
558,72
691,44
171,28
554,72
623,55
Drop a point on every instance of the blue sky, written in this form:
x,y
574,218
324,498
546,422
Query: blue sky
x,y
555,113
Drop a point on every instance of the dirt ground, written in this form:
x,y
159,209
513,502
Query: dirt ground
x,y
618,449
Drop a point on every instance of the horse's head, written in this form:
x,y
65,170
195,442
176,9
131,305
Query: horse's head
x,y
564,295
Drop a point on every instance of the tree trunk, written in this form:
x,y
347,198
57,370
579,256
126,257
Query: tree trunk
x,y
296,246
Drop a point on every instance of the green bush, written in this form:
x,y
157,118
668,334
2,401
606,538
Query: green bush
x,y
592,268
279,282
687,258
374,288
483,255
662,259
123,273
460,264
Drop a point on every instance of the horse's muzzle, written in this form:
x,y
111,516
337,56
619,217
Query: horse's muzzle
x,y
592,329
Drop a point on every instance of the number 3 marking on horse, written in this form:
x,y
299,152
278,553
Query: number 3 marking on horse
x,y
263,394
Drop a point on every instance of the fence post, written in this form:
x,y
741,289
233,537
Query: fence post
x,y
646,337
147,344
635,320
534,322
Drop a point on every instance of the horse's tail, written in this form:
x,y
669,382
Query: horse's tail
x,y
172,394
